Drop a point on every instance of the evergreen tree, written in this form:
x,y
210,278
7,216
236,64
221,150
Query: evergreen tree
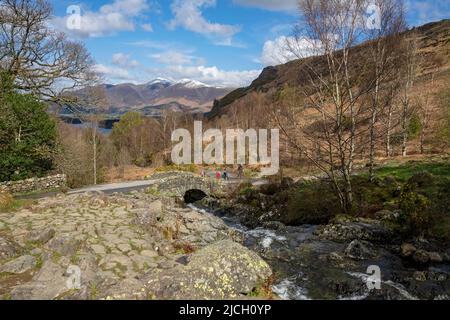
x,y
27,137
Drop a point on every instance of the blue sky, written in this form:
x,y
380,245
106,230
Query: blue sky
x,y
219,42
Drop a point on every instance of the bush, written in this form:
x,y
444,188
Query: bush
x,y
371,197
421,179
441,201
312,203
270,189
244,189
440,204
142,162
276,186
415,219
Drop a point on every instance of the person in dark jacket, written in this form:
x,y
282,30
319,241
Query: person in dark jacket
x,y
240,171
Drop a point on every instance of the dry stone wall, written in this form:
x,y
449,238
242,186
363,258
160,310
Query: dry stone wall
x,y
34,184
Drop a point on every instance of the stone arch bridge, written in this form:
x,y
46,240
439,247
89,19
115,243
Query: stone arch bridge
x,y
186,185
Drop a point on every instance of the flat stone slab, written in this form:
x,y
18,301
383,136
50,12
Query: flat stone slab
x,y
41,236
98,249
8,249
19,265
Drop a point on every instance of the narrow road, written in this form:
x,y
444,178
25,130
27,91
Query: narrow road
x,y
119,187
125,187
122,187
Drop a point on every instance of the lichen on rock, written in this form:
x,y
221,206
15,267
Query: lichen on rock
x,y
223,270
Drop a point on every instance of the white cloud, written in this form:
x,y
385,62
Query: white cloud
x,y
285,49
188,14
275,5
147,27
112,73
209,75
149,44
117,16
124,60
129,8
173,57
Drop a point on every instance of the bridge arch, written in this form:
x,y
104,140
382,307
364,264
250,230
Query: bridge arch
x,y
194,195
186,185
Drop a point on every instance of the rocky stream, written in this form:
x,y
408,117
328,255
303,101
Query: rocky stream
x,y
332,261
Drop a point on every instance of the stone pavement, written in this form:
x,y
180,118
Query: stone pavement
x,y
105,245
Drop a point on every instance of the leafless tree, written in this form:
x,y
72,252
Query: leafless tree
x,y
383,43
408,76
38,59
90,108
425,101
390,115
331,104
345,87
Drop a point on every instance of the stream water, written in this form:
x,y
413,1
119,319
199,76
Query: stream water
x,y
270,244
302,266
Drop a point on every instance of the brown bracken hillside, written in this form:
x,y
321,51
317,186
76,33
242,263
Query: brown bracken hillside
x,y
434,48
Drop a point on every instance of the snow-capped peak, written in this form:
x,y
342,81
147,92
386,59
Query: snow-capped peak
x,y
160,80
189,83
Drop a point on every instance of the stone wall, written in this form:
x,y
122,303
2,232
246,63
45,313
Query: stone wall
x,y
34,184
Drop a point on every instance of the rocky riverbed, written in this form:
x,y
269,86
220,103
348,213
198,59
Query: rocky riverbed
x,y
136,246
332,261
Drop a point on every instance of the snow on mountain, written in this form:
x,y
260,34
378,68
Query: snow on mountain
x,y
193,84
160,81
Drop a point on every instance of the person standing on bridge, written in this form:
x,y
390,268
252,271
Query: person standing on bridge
x,y
225,175
240,171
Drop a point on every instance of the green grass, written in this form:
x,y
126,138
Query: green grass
x,y
93,291
7,296
405,171
31,194
39,262
152,191
56,256
16,205
315,202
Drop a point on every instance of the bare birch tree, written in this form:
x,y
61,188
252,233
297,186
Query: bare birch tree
x,y
383,45
408,76
389,120
332,97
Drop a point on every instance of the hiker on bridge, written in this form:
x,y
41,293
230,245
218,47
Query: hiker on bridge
x,y
240,171
225,175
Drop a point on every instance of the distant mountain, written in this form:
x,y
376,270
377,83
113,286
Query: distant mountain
x,y
186,94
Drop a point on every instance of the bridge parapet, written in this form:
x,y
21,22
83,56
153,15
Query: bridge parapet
x,y
177,183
